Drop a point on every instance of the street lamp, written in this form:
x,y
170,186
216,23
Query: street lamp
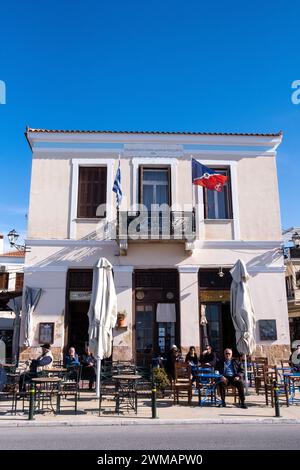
x,y
296,239
220,273
12,238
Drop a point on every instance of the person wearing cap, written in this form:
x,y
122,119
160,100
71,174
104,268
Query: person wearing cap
x,y
44,361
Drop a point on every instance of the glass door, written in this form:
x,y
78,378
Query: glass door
x,y
144,337
155,189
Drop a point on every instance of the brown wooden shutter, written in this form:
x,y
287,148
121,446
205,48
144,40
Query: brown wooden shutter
x,y
19,281
4,281
91,190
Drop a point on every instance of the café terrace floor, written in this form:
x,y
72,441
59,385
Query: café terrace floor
x,y
167,412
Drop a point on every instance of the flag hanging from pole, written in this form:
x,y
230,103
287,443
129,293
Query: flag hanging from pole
x,y
117,185
207,177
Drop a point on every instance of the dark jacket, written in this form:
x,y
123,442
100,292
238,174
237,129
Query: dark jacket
x,y
237,367
192,359
210,358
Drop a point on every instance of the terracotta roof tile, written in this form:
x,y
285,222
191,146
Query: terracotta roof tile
x,y
60,131
14,254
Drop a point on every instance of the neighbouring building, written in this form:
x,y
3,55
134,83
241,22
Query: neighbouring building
x,y
11,285
292,280
162,282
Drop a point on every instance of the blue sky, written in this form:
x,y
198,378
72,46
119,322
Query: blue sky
x,y
159,65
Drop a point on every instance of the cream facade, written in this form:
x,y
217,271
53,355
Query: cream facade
x,y
155,275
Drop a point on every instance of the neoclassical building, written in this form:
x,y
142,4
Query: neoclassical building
x,y
166,264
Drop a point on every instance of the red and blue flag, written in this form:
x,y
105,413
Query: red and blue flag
x,y
207,177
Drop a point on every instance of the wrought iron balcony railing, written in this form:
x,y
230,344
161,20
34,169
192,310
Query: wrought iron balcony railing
x,y
156,225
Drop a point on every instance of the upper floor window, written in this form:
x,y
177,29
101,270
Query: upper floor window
x,y
4,281
154,186
91,190
19,281
218,205
289,287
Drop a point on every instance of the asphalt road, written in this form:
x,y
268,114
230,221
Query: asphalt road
x,y
159,437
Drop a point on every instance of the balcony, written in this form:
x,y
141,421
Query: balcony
x,y
162,226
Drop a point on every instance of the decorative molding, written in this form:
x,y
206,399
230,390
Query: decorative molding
x,y
136,162
68,242
50,269
238,244
76,163
123,269
234,195
248,140
188,269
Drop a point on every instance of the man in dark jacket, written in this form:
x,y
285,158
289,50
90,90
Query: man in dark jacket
x,y
232,374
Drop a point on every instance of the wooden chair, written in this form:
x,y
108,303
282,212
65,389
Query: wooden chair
x,y
270,378
183,381
259,370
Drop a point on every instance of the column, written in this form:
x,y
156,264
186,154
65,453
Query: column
x,y
189,307
122,341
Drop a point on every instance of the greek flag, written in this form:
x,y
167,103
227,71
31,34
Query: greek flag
x,y
117,186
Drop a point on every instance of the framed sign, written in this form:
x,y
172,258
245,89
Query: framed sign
x,y
46,333
267,330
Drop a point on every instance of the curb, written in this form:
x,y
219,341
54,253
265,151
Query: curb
x,y
150,422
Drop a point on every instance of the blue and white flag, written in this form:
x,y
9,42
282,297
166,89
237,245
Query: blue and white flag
x,y
117,186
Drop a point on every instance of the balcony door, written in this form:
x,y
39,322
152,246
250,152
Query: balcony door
x,y
155,189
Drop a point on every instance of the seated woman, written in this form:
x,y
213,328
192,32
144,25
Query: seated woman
x,y
192,357
208,358
88,368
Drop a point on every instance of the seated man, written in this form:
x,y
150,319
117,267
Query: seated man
x,y
44,361
88,367
71,359
294,359
232,373
71,362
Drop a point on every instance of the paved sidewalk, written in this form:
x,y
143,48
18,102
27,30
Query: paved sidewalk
x,y
167,413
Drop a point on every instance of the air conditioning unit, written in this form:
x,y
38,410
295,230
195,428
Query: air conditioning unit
x,y
2,269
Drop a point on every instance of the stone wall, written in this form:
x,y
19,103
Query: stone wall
x,y
34,352
274,353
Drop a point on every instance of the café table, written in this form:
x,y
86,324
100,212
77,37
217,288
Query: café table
x,y
45,389
208,382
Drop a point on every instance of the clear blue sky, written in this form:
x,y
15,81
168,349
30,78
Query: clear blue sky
x,y
159,65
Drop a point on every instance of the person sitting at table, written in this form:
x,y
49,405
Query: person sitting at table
x,y
71,359
294,359
192,357
44,361
172,357
88,367
232,374
209,357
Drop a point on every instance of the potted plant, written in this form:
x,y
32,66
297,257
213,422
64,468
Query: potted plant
x,y
121,318
161,380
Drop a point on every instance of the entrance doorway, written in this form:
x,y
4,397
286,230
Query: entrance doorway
x,y
78,326
156,314
220,329
79,287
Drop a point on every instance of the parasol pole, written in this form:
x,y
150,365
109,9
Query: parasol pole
x,y
246,377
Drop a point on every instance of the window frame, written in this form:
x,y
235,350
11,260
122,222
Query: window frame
x,y
142,168
88,167
229,202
